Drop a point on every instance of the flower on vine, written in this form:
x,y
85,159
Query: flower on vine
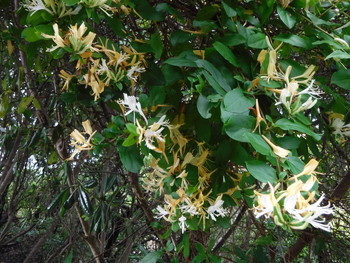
x,y
57,8
216,209
266,203
101,4
60,43
132,105
92,79
152,135
67,77
340,127
135,71
279,151
78,41
182,224
79,141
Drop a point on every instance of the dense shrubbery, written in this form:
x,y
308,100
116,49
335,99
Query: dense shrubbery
x,y
174,131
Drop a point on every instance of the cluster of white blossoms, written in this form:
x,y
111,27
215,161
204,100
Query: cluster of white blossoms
x,y
292,96
340,128
59,8
295,206
182,204
55,8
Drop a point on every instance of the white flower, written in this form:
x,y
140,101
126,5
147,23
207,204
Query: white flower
x,y
306,105
340,128
36,5
152,135
182,224
216,209
189,208
132,104
311,212
161,212
266,203
134,71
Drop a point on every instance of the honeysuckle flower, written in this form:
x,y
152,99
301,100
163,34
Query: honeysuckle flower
x,y
259,117
266,203
134,72
132,105
340,127
189,208
161,213
153,134
279,151
36,5
177,138
67,77
310,212
57,8
79,43
101,4
309,168
306,105
79,141
216,209
55,38
92,79
182,224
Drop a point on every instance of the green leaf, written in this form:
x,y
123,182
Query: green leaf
x,y
258,143
152,257
235,102
295,40
147,11
341,78
338,54
33,34
230,11
157,45
203,106
318,21
286,17
287,125
214,72
261,171
132,128
237,126
69,258
226,53
130,158
295,164
257,40
24,103
180,62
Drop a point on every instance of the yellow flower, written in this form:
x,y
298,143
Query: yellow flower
x,y
279,151
79,43
309,168
67,77
55,38
79,141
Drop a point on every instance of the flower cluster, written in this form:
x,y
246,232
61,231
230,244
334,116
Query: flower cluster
x,y
79,141
340,128
179,175
295,206
292,96
112,67
55,8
